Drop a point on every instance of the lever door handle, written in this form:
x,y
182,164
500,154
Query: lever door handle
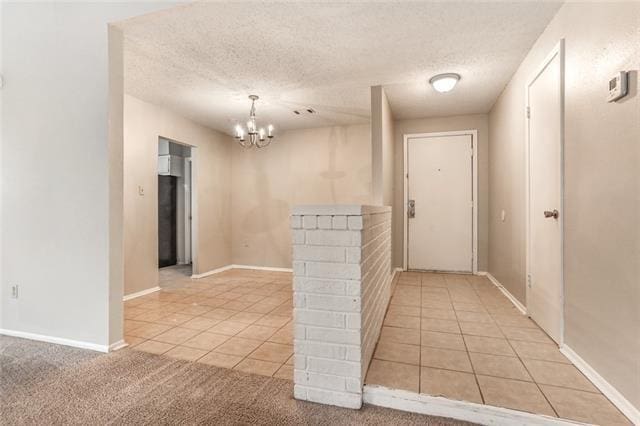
x,y
554,214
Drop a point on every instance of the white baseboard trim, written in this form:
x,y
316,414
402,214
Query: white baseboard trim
x,y
506,292
140,293
482,273
118,345
460,410
214,271
55,340
234,266
262,268
605,387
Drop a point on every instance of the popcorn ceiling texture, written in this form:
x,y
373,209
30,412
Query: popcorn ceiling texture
x,y
203,59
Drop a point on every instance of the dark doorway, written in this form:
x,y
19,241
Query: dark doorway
x,y
167,220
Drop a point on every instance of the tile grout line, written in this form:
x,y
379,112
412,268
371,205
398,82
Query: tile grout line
x,y
420,339
475,376
495,311
199,332
533,379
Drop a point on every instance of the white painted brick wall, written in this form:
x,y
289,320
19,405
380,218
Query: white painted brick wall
x,y
342,280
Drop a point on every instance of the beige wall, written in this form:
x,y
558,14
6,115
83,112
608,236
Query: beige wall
x,y
602,187
478,122
115,141
382,145
313,166
143,123
60,211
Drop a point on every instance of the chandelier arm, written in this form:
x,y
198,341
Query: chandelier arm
x,y
255,135
266,143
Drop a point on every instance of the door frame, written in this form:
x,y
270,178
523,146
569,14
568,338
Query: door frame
x,y
474,163
557,51
193,206
188,234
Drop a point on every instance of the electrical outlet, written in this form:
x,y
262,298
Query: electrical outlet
x,y
14,291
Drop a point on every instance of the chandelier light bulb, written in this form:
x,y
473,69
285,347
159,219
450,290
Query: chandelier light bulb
x,y
261,134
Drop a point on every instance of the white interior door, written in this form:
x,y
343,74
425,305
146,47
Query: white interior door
x,y
545,294
440,184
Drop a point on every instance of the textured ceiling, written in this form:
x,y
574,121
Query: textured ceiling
x,y
203,59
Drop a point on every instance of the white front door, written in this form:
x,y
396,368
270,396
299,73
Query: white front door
x,y
544,293
440,186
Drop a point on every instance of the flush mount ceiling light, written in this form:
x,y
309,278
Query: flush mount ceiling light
x,y
444,82
255,137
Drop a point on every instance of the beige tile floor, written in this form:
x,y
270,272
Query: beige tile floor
x,y
459,337
238,319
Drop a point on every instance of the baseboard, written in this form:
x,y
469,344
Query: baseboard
x,y
605,387
460,410
506,292
55,340
482,273
214,271
117,346
262,268
234,266
140,293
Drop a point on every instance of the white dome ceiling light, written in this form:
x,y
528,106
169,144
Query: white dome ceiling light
x,y
444,82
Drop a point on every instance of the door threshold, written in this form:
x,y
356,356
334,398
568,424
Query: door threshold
x,y
435,271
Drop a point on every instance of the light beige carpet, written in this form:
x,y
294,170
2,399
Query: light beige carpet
x,y
41,383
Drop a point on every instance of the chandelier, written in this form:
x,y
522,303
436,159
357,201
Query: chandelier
x,y
254,136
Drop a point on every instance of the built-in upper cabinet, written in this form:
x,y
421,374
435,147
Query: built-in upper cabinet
x,y
171,157
170,165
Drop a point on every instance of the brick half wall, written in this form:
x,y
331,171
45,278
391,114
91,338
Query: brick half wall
x,y
342,285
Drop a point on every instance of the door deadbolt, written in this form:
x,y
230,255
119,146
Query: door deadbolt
x,y
411,212
554,214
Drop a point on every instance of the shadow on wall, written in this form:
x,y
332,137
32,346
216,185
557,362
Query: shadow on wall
x,y
329,165
337,136
632,83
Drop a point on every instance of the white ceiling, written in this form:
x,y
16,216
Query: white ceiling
x,y
202,60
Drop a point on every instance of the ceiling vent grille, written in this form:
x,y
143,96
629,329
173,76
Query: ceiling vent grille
x,y
302,111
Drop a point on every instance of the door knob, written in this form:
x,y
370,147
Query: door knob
x,y
554,214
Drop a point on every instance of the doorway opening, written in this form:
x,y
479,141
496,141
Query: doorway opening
x,y
175,207
441,202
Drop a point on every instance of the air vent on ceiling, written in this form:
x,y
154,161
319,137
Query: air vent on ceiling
x,y
305,111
